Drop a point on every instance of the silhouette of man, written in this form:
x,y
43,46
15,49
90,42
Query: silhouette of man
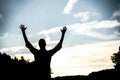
x,y
43,56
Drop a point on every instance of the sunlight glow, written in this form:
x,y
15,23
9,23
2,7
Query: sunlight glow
x,y
83,59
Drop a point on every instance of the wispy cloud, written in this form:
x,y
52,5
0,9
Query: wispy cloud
x,y
90,29
87,28
1,17
69,6
53,30
116,13
84,16
8,35
12,49
5,35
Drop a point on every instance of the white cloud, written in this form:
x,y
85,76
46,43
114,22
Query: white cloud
x,y
12,49
53,30
84,16
87,28
8,35
94,24
116,13
69,6
5,35
100,35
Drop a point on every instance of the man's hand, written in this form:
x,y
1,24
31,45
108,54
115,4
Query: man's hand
x,y
22,27
64,29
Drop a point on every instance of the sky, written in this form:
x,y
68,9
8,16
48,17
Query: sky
x,y
91,39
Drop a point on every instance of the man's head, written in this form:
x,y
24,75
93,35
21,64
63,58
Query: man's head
x,y
42,43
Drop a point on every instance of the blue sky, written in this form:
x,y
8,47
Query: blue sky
x,y
92,35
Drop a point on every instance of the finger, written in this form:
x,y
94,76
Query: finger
x,y
20,26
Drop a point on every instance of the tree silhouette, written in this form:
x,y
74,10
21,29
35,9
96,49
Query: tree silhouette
x,y
6,59
116,59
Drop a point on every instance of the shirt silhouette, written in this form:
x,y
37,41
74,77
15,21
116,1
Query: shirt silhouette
x,y
42,56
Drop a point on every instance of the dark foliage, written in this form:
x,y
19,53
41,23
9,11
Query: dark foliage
x,y
79,77
116,60
108,74
6,59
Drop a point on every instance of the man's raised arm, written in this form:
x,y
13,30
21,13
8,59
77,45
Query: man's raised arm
x,y
59,45
62,37
27,43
